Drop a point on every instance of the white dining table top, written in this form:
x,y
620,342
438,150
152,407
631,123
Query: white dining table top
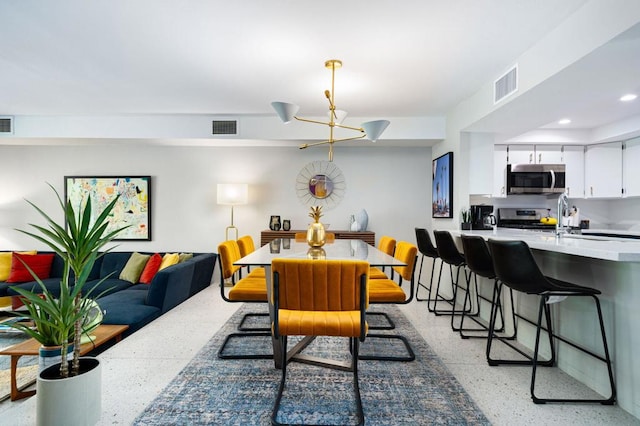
x,y
337,249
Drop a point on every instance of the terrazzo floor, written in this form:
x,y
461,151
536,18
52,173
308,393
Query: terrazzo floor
x,y
139,367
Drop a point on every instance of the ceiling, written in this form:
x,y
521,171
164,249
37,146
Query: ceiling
x,y
401,59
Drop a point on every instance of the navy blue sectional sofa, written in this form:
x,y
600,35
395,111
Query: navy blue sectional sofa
x,y
134,304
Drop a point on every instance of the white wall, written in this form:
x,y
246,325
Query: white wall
x,y
393,185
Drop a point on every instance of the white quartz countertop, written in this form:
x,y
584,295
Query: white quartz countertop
x,y
606,248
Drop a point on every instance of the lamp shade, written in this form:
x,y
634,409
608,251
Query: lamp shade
x,y
374,129
233,194
285,111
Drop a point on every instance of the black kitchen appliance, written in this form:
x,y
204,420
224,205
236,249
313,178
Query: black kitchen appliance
x,y
524,218
535,178
482,217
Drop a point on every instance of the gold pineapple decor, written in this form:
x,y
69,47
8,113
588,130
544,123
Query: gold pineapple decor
x,y
315,233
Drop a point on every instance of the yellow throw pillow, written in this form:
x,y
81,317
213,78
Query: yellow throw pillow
x,y
5,263
169,259
133,269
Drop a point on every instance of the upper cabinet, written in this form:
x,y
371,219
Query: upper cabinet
x,y
500,153
603,170
535,154
573,158
631,168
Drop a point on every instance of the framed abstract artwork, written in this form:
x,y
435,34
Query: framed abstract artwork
x,y
442,187
133,208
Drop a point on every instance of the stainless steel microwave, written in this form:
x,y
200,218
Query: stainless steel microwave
x,y
535,178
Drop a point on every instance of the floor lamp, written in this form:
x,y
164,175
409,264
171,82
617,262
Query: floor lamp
x,y
232,194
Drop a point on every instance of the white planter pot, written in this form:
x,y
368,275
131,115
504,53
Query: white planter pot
x,y
71,401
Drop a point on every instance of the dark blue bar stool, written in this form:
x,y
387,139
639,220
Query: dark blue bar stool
x,y
426,249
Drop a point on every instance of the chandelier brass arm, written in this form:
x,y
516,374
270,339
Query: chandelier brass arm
x,y
370,130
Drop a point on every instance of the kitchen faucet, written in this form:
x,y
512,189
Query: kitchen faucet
x,y
563,204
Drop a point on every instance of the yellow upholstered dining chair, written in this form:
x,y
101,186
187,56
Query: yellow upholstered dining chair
x,y
389,291
247,246
251,289
387,245
320,298
328,236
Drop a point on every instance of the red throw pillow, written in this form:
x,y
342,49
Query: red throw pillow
x,y
40,264
150,269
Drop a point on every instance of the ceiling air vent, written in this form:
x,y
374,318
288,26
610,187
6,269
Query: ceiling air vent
x,y
225,127
6,125
505,85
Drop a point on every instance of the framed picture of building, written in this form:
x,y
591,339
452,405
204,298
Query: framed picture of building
x,y
442,187
133,208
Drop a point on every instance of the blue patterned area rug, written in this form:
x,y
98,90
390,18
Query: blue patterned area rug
x,y
212,391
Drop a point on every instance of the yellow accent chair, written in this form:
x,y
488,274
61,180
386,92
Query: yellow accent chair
x,y
389,291
320,298
247,246
250,289
329,237
387,245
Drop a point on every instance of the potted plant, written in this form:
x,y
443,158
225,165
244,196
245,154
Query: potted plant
x,y
465,219
78,241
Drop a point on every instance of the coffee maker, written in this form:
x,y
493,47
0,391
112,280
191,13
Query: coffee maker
x,y
482,217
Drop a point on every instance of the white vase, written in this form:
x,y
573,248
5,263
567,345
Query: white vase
x,y
71,401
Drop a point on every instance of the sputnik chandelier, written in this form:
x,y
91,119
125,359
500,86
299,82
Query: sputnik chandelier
x,y
370,130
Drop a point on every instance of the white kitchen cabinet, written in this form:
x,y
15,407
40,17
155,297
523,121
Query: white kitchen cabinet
x,y
499,171
522,154
548,154
573,158
631,168
603,170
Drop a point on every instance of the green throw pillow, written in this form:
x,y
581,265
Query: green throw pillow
x,y
182,257
133,269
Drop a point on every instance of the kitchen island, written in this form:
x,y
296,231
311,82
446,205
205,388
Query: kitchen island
x,y
613,267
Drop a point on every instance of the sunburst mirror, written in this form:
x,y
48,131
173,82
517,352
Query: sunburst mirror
x,y
320,183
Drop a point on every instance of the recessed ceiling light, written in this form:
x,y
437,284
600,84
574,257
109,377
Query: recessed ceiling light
x,y
629,97
564,121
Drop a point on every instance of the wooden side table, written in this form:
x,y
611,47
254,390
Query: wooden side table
x,y
368,237
31,347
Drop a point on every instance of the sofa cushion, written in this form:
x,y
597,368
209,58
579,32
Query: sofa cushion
x,y
5,263
40,264
134,267
151,269
169,259
103,287
183,257
52,284
113,263
128,307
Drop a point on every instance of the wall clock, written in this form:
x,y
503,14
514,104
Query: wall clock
x,y
320,183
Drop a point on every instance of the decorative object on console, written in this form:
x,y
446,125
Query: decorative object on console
x,y
274,223
286,225
465,219
232,194
133,209
442,187
320,183
370,130
316,233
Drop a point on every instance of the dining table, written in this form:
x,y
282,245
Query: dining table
x,y
299,249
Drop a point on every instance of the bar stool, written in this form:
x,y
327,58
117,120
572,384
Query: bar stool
x,y
479,262
426,249
450,255
516,267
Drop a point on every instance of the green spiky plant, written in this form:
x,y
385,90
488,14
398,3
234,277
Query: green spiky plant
x,y
59,321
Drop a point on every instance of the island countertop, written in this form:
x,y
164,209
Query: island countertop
x,y
605,248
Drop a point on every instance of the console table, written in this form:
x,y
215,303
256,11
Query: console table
x,y
366,236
